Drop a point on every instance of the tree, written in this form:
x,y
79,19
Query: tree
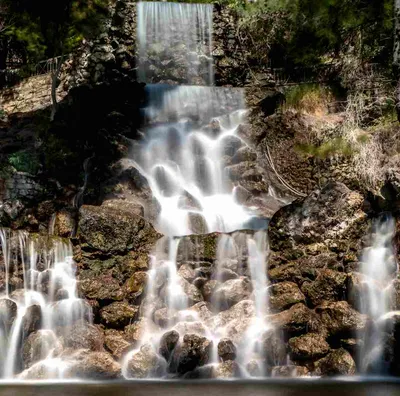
x,y
53,28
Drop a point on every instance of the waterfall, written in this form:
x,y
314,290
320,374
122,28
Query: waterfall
x,y
379,268
175,42
190,132
38,296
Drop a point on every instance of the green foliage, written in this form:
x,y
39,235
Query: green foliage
x,y
337,146
49,28
307,97
24,161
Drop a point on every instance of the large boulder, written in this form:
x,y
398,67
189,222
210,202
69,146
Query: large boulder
x,y
110,230
168,343
226,349
144,363
8,312
340,319
118,314
295,321
233,291
193,352
115,343
39,345
83,336
329,221
338,362
283,295
233,322
328,286
94,366
308,347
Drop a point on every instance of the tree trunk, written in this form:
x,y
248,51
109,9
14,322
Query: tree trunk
x,y
54,84
396,53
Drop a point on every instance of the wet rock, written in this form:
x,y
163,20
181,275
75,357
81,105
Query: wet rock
x,y
95,286
83,336
144,363
115,343
8,312
134,332
168,343
192,292
274,348
226,369
190,327
283,295
294,321
289,371
355,287
226,350
309,346
209,288
235,320
329,286
32,320
135,286
94,365
111,230
396,294
187,272
194,351
118,314
202,310
197,223
226,274
338,362
39,345
233,291
340,319
244,154
162,317
126,206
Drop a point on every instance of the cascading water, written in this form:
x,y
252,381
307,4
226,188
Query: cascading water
x,y
379,268
39,296
175,42
190,132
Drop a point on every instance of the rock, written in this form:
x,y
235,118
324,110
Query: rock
x,y
135,286
144,363
340,319
233,291
32,320
338,362
162,317
39,345
95,286
226,274
197,328
134,332
125,206
283,295
168,343
83,336
197,223
115,343
233,321
118,314
274,348
296,320
199,311
309,346
64,224
94,366
8,312
194,351
226,350
187,272
226,369
289,371
111,230
192,292
329,286
209,288
330,219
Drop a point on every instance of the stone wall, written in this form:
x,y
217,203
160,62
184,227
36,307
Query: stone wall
x,y
20,185
31,94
